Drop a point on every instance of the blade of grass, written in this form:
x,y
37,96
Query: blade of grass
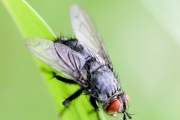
x,y
27,20
32,25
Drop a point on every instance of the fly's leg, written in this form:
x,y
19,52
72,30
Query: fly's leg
x,y
54,75
95,106
65,80
93,103
72,97
62,79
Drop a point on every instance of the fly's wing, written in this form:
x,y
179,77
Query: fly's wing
x,y
88,36
57,56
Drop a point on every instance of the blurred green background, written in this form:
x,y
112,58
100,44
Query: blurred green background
x,y
142,41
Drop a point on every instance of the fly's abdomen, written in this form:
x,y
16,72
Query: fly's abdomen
x,y
74,45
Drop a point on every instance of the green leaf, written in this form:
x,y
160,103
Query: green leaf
x,y
32,25
28,21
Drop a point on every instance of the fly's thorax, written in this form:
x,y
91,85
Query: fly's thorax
x,y
116,104
102,82
94,66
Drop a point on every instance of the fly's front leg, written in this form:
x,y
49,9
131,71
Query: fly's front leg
x,y
93,103
95,106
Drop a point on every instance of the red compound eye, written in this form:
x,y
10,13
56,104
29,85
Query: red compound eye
x,y
113,107
127,98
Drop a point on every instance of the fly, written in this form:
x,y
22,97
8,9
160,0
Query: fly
x,y
85,61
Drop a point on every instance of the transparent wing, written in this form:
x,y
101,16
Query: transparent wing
x,y
57,56
88,36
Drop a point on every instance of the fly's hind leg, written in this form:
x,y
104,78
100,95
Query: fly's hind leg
x,y
74,95
58,77
62,79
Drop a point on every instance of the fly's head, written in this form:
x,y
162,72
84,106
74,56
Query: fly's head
x,y
117,104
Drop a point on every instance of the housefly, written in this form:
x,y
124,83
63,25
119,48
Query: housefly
x,y
84,61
